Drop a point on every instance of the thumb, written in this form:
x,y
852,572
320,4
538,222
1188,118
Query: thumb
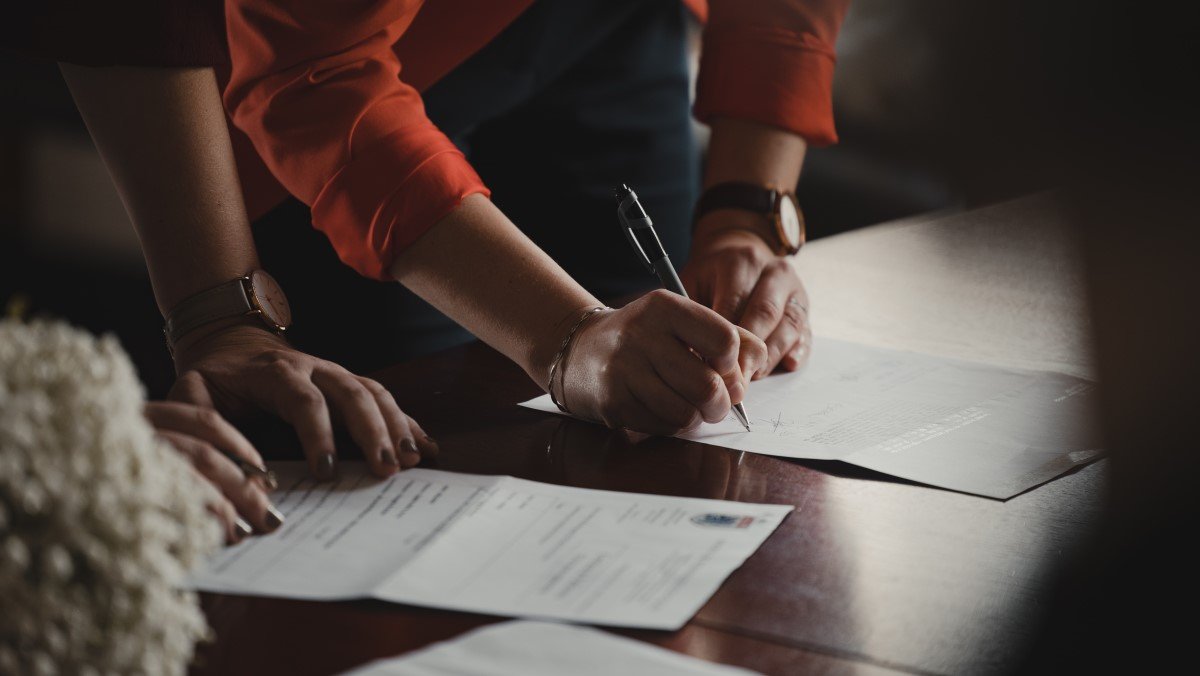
x,y
190,388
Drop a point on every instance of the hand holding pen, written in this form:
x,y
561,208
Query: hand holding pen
x,y
639,230
660,365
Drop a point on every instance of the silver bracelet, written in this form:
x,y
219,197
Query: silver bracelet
x,y
562,351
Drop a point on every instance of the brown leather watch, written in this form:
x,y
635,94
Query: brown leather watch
x,y
255,294
779,207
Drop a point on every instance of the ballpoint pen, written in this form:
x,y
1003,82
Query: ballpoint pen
x,y
639,230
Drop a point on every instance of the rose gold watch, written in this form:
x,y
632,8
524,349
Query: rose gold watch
x,y
255,294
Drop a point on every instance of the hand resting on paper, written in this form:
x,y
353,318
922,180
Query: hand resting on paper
x,y
733,271
240,368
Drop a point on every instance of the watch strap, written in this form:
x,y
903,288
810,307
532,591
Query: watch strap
x,y
737,195
226,300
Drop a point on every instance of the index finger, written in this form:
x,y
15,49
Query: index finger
x,y
732,286
294,397
765,308
190,388
359,411
203,423
706,332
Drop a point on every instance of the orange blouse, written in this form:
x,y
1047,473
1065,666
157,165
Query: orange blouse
x,y
328,93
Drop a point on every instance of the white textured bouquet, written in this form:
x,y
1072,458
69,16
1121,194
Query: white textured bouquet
x,y
99,520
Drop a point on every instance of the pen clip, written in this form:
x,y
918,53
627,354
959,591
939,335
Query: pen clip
x,y
628,225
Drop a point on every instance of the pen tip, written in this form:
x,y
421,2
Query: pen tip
x,y
739,412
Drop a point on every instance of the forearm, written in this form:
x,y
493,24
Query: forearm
x,y
752,153
481,271
162,135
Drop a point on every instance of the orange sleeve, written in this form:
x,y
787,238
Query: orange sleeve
x,y
771,61
316,86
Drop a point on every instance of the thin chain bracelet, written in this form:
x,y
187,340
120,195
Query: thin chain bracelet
x,y
562,350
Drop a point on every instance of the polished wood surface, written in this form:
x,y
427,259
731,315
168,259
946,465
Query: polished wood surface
x,y
869,575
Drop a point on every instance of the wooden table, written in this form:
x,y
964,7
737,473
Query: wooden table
x,y
869,574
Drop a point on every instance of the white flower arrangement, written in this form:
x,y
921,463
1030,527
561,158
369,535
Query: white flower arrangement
x,y
99,519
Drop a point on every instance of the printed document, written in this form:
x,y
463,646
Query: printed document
x,y
961,425
494,544
544,649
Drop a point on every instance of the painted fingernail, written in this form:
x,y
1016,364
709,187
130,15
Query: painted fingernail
x,y
243,529
389,458
274,519
325,465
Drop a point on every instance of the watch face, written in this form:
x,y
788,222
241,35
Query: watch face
x,y
270,299
791,223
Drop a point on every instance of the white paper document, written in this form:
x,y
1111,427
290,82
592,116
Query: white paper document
x,y
544,649
961,425
494,544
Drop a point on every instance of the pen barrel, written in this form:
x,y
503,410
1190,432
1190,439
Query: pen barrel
x,y
667,275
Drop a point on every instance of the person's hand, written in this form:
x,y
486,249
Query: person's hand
x,y
734,272
238,369
203,437
660,364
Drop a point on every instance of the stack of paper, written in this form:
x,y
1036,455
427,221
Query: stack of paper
x,y
495,544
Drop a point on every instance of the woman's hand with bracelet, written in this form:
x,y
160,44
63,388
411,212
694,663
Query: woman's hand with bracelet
x,y
660,364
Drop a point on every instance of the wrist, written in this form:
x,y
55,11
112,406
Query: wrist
x,y
727,227
558,367
542,356
221,334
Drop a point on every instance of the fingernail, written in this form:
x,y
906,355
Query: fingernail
x,y
270,481
325,465
243,529
409,448
274,518
389,458
434,448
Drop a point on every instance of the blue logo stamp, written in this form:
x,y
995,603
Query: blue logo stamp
x,y
722,520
